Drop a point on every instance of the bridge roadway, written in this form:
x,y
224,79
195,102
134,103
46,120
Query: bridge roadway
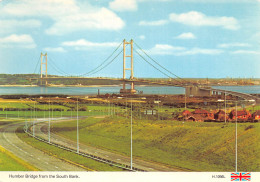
x,y
41,131
11,142
244,96
169,83
120,80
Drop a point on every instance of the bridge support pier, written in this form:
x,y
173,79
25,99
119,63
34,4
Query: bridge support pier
x,y
124,90
191,91
222,95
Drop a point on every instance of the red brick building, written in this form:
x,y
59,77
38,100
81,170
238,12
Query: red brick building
x,y
243,115
220,116
256,115
203,113
198,115
186,113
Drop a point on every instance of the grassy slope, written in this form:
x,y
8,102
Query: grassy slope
x,y
196,146
8,162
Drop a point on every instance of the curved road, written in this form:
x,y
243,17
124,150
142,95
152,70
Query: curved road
x,y
11,142
41,131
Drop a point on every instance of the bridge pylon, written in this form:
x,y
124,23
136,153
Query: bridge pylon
x,y
44,67
126,57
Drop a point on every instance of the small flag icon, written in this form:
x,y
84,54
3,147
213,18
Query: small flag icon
x,y
240,176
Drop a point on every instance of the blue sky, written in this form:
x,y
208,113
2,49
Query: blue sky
x,y
191,38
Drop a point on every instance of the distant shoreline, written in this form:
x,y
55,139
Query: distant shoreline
x,y
18,85
60,85
116,85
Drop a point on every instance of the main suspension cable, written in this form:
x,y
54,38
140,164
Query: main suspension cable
x,y
159,63
52,63
37,64
107,63
154,66
94,70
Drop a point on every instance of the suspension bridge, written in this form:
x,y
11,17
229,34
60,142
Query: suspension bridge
x,y
128,50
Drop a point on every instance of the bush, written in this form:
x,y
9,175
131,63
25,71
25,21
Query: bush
x,y
249,127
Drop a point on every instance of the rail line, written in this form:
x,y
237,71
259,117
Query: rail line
x,y
99,159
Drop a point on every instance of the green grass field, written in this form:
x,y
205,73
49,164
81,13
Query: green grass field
x,y
5,105
189,145
254,108
54,110
47,114
9,164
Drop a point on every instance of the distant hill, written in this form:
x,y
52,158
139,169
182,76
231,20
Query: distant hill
x,y
33,79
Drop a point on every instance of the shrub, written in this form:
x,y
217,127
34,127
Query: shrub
x,y
249,127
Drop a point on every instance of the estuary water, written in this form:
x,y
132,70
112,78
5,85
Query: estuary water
x,y
113,89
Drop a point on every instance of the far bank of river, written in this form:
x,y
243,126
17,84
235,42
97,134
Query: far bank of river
x,y
93,90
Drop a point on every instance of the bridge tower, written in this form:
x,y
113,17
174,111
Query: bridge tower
x,y
44,66
126,57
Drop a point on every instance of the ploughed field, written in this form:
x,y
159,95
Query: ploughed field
x,y
189,145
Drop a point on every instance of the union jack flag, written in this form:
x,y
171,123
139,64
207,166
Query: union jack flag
x,y
240,176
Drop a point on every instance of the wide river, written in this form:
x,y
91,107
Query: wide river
x,y
112,89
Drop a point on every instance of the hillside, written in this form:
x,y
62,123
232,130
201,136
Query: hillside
x,y
33,79
189,145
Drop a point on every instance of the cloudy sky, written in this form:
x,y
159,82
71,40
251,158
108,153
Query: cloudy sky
x,y
191,38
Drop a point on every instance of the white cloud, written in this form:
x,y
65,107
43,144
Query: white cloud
x,y
256,36
194,18
154,1
12,25
123,5
68,16
223,1
187,35
197,50
130,5
54,49
165,49
21,41
203,1
142,37
50,8
103,19
245,52
153,23
84,44
235,44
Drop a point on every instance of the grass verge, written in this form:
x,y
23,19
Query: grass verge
x,y
10,162
189,145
